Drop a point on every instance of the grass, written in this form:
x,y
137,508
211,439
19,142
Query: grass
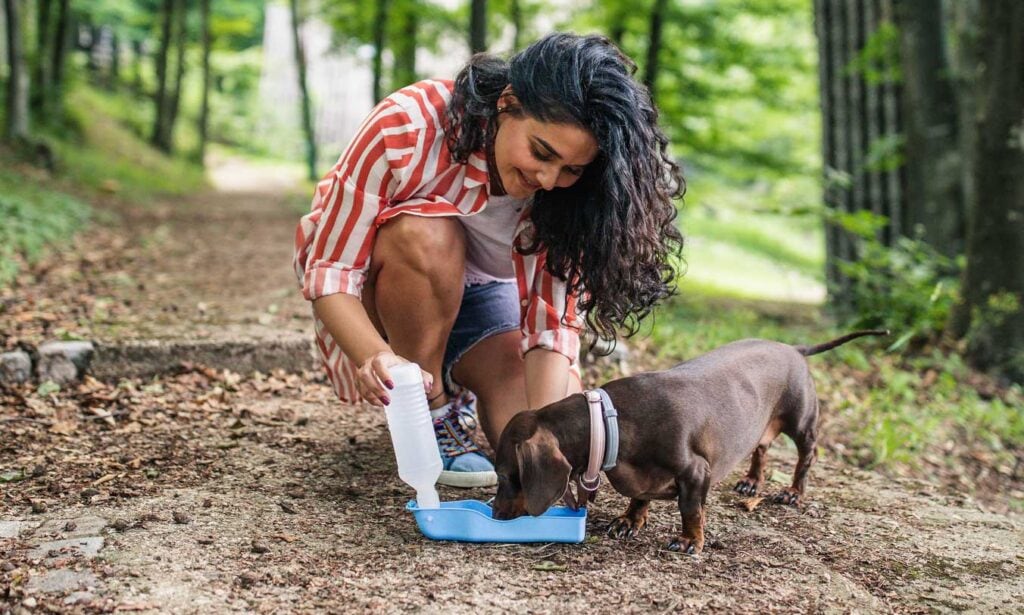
x,y
96,155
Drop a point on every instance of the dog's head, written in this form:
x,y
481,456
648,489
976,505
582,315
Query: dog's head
x,y
532,471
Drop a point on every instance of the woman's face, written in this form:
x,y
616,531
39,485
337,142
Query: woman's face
x,y
532,155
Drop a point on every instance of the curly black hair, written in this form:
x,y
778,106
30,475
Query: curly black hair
x,y
612,234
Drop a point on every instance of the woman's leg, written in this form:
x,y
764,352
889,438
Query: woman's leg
x,y
415,287
493,370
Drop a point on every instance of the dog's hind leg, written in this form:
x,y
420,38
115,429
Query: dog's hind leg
x,y
751,483
632,521
693,492
805,437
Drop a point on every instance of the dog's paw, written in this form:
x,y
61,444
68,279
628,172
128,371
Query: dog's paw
x,y
682,544
788,496
626,527
747,486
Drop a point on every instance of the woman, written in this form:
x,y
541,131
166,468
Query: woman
x,y
476,227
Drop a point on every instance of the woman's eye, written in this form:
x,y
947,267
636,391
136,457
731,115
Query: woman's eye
x,y
576,172
539,156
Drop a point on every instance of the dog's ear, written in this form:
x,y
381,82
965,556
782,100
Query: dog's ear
x,y
543,471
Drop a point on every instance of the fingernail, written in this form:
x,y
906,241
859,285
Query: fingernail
x,y
389,384
386,400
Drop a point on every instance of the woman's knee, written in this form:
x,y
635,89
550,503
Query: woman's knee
x,y
425,245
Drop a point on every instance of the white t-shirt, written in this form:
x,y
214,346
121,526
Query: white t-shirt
x,y
489,237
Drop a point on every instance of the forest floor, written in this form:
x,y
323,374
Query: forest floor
x,y
207,490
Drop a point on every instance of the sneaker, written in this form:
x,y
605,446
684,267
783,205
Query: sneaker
x,y
464,464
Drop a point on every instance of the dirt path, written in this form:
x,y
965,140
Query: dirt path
x,y
224,495
214,492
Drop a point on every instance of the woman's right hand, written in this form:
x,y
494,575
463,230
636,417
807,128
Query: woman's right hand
x,y
374,380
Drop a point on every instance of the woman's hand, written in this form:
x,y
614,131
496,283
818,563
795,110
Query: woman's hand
x,y
374,379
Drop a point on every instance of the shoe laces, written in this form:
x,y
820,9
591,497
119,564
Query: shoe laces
x,y
452,429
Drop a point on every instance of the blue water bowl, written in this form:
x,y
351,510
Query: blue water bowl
x,y
471,521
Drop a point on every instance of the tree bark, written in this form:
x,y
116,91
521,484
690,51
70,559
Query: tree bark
x,y
405,48
477,26
160,99
654,46
204,109
934,203
860,113
174,99
516,16
992,311
60,50
306,106
379,29
43,65
17,78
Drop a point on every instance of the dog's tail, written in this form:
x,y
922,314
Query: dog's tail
x,y
839,341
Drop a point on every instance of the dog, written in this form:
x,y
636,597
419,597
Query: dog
x,y
681,431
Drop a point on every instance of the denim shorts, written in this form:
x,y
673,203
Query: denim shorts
x,y
486,310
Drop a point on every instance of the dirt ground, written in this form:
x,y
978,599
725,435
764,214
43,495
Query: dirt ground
x,y
207,491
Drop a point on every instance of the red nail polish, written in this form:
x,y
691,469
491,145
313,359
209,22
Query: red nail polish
x,y
389,384
386,401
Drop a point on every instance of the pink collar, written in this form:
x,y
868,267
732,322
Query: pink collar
x,y
591,478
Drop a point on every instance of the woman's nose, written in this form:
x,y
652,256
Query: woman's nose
x,y
547,177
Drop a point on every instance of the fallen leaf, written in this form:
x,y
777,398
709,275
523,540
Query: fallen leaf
x,y
549,566
749,504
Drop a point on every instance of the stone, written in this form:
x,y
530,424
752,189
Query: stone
x,y
63,362
15,367
88,546
83,526
61,580
11,529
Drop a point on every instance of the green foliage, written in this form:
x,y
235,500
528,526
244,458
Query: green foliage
x,y
109,157
879,60
32,219
909,288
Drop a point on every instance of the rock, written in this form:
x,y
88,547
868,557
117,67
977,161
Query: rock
x,y
10,529
61,580
63,362
15,367
88,546
73,528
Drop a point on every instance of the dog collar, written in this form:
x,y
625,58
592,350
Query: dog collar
x,y
604,438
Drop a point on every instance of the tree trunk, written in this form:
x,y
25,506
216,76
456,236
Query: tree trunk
x,y
477,26
516,16
964,15
17,77
307,115
934,203
380,23
160,100
204,109
43,65
137,60
405,48
174,99
992,311
654,46
60,51
115,59
860,115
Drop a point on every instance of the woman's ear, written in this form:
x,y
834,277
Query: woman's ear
x,y
507,100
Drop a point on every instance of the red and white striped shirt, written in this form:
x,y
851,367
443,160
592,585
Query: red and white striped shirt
x,y
399,163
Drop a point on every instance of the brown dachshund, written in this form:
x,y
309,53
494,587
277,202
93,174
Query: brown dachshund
x,y
681,431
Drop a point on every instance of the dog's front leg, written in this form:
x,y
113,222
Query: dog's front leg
x,y
693,491
632,521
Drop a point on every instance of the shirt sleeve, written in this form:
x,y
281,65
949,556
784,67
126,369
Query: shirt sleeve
x,y
549,315
334,241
